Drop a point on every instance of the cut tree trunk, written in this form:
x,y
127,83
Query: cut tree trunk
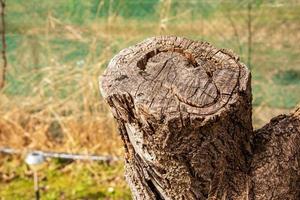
x,y
184,113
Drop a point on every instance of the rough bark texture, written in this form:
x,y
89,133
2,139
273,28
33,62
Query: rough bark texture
x,y
275,168
184,112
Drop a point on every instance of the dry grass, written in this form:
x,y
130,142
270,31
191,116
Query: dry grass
x,y
79,121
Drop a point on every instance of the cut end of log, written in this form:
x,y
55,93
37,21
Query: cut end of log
x,y
170,76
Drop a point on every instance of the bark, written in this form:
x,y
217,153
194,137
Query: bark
x,y
184,113
275,168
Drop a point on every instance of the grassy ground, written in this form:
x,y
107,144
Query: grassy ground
x,y
59,180
57,50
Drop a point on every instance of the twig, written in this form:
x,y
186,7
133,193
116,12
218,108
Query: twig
x,y
235,30
3,52
249,20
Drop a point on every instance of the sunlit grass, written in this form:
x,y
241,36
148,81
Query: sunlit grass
x,y
64,181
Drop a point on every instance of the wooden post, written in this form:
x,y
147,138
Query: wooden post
x,y
184,113
36,185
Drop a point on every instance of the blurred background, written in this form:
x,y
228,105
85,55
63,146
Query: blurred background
x,y
56,51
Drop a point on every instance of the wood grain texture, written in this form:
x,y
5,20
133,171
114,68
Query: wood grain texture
x,y
183,109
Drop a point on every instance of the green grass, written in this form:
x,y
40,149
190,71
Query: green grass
x,y
66,181
276,77
289,77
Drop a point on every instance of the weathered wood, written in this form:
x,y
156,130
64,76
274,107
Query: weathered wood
x,y
275,167
184,112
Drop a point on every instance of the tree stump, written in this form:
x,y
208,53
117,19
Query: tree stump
x,y
183,109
